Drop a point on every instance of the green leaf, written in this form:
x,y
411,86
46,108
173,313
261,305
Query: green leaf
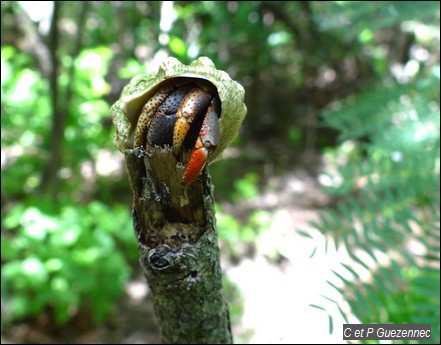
x,y
350,269
178,46
304,234
317,307
331,324
313,252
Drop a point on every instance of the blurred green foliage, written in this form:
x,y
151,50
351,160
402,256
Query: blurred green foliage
x,y
59,262
386,176
233,231
371,69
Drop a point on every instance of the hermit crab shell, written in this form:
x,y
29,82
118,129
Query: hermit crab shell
x,y
125,112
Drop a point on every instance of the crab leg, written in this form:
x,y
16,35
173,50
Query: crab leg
x,y
162,126
207,141
186,116
148,113
193,107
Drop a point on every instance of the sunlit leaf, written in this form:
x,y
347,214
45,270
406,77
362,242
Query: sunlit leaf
x,y
178,46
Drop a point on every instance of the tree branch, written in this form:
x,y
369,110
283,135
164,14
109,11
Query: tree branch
x,y
175,229
76,50
60,110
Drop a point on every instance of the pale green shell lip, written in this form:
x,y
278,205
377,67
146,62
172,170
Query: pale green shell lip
x,y
126,110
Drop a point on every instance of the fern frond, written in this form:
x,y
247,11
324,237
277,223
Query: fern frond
x,y
388,217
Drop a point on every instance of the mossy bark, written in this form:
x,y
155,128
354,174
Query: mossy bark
x,y
176,233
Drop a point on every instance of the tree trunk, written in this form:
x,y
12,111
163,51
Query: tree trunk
x,y
175,229
60,105
50,179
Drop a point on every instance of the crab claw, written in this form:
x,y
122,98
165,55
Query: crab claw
x,y
206,143
196,163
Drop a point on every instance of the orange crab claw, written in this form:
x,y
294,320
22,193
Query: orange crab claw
x,y
206,143
196,163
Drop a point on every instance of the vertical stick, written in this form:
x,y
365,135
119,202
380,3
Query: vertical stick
x,y
176,233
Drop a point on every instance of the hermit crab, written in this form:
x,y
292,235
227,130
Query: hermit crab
x,y
192,107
